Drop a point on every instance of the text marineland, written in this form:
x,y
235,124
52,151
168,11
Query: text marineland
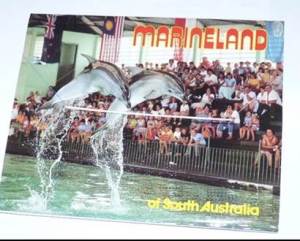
x,y
244,209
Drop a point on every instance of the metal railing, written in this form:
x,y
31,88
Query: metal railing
x,y
226,163
241,165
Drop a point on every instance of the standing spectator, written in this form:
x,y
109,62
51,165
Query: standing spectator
x,y
165,137
270,147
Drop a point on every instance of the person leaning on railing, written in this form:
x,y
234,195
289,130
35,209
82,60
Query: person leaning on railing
x,y
196,140
165,137
270,146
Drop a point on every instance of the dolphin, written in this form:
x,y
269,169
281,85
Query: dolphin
x,y
147,85
152,84
98,76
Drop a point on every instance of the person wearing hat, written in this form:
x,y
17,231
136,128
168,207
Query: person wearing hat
x,y
249,100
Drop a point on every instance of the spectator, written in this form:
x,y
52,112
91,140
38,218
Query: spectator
x,y
196,140
165,137
231,125
227,87
247,128
270,146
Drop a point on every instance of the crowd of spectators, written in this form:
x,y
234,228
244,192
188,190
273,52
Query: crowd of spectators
x,y
248,94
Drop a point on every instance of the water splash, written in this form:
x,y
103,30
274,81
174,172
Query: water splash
x,y
107,145
49,146
35,202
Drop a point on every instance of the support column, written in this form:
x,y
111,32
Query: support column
x,y
196,50
141,54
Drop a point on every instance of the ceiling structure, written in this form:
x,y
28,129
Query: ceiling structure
x,y
90,24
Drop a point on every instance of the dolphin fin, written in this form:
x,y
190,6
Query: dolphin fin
x,y
90,59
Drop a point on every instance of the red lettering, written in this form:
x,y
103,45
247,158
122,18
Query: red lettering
x,y
262,34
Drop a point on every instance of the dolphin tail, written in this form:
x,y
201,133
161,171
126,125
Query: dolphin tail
x,y
90,59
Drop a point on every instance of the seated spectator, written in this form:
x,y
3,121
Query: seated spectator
x,y
217,67
269,107
270,97
246,130
238,92
207,98
249,100
208,127
158,110
227,87
255,125
211,80
230,126
196,140
184,108
165,102
171,65
202,71
173,105
228,68
254,82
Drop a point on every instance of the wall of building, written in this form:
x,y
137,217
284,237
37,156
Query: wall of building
x,y
38,77
34,77
87,44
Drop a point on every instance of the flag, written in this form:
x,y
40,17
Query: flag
x,y
52,38
274,50
178,51
111,39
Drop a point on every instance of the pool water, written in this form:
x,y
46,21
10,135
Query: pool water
x,y
82,191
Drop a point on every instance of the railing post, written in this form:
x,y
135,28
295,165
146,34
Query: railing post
x,y
258,160
207,159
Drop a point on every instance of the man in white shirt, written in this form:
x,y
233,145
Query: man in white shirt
x,y
270,97
270,107
249,100
210,79
184,108
171,65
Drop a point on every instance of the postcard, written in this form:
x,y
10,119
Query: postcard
x,y
168,121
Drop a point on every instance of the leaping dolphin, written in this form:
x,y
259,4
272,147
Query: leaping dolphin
x,y
147,85
98,76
